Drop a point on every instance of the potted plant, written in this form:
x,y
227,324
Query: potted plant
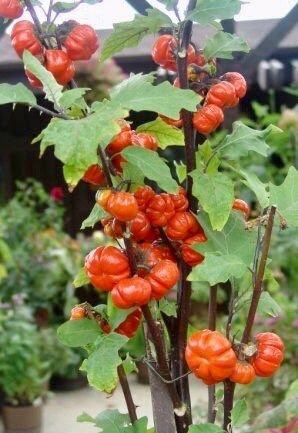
x,y
23,372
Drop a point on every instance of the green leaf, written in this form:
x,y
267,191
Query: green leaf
x,y
95,216
207,11
267,305
132,172
293,390
81,279
239,414
285,197
109,421
259,188
16,93
223,44
85,417
138,93
65,7
215,194
117,316
152,167
227,253
218,269
205,428
129,34
206,160
73,175
73,97
106,354
243,140
165,134
53,90
180,171
170,4
76,141
167,307
78,333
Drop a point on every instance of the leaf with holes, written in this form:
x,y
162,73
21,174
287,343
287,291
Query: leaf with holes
x,y
165,134
285,197
106,353
53,90
138,93
129,34
207,11
152,167
244,139
215,193
222,45
16,93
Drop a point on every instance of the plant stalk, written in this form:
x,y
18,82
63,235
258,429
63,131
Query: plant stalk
x,y
212,326
131,407
257,290
184,291
229,387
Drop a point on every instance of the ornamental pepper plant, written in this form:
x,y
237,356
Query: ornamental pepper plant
x,y
170,230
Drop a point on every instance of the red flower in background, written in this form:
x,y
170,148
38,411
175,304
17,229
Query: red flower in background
x,y
57,193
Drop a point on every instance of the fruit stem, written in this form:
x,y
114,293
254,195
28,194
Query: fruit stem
x,y
131,407
105,166
212,326
257,290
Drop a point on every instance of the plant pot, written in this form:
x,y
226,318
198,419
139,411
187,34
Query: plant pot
x,y
59,383
142,374
22,419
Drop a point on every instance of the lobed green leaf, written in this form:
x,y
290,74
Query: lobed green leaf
x,y
78,333
129,34
215,193
152,167
223,44
165,134
16,93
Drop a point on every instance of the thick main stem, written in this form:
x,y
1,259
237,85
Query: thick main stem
x,y
127,394
184,291
229,387
212,326
257,290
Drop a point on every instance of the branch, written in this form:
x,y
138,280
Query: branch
x,y
212,326
184,291
50,113
257,290
105,166
229,389
131,407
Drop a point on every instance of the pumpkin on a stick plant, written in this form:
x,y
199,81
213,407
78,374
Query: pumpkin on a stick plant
x,y
168,234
